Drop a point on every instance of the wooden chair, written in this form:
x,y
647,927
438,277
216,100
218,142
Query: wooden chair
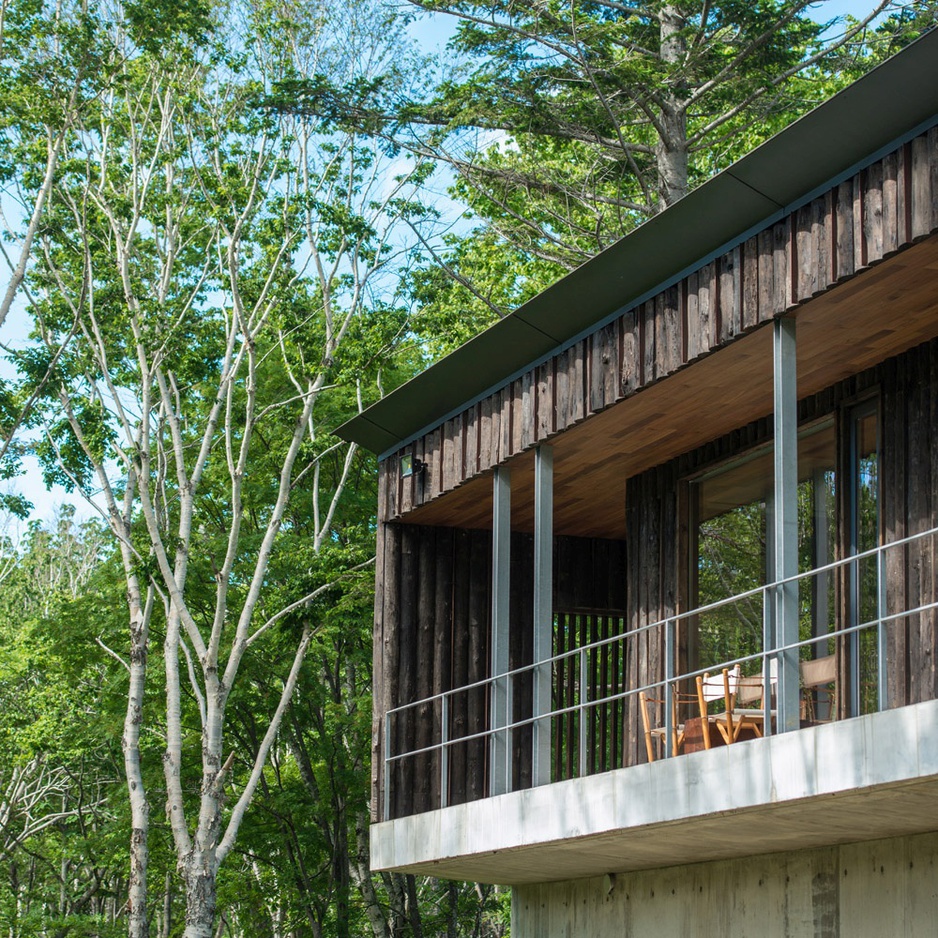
x,y
747,711
660,732
818,674
716,687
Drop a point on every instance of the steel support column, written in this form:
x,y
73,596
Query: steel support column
x,y
499,749
785,527
543,607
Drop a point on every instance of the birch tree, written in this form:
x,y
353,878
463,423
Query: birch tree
x,y
218,263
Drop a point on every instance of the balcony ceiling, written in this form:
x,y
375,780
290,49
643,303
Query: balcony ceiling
x,y
881,312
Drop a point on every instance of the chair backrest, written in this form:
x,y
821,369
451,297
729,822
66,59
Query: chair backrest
x,y
819,671
752,689
713,687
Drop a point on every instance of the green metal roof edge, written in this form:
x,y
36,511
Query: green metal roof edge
x,y
892,103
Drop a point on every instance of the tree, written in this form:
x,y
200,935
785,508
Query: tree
x,y
59,781
593,116
218,263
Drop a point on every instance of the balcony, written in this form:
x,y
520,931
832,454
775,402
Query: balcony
x,y
865,766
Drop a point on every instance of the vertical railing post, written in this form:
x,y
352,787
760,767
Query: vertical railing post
x,y
386,811
509,733
582,712
669,715
882,685
768,633
501,573
785,529
543,609
444,751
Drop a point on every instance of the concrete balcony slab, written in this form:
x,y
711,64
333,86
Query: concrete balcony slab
x,y
863,779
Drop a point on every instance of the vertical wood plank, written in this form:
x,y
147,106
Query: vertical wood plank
x,y
423,715
873,212
485,434
517,415
932,152
528,410
729,294
845,264
407,673
890,196
459,667
562,391
610,361
806,272
649,336
433,483
478,627
905,193
545,400
692,316
578,381
781,255
631,353
379,682
921,187
668,342
442,643
471,431
390,648
706,307
766,242
594,397
750,283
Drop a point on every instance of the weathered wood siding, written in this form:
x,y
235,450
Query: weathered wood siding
x,y
907,387
433,620
910,506
887,206
432,628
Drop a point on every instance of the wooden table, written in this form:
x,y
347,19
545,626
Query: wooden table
x,y
694,729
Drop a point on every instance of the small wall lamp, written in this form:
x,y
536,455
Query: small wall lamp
x,y
410,465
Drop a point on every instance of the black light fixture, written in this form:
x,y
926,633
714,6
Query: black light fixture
x,y
410,465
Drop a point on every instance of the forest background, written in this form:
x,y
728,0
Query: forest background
x,y
227,228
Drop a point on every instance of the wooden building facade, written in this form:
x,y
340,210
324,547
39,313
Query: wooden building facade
x,y
620,516
760,422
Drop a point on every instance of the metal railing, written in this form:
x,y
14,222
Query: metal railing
x,y
666,629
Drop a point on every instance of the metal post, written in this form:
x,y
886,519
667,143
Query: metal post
x,y
543,608
444,751
768,634
387,777
882,686
669,715
786,520
581,713
501,574
509,709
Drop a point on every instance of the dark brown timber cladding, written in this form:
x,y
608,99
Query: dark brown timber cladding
x,y
910,506
861,221
434,583
908,389
432,635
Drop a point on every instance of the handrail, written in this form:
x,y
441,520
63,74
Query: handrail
x,y
582,706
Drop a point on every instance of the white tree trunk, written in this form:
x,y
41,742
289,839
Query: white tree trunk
x,y
137,922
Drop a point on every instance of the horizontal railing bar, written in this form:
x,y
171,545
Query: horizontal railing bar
x,y
633,691
680,616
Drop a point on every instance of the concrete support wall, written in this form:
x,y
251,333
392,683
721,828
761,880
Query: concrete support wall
x,y
878,888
